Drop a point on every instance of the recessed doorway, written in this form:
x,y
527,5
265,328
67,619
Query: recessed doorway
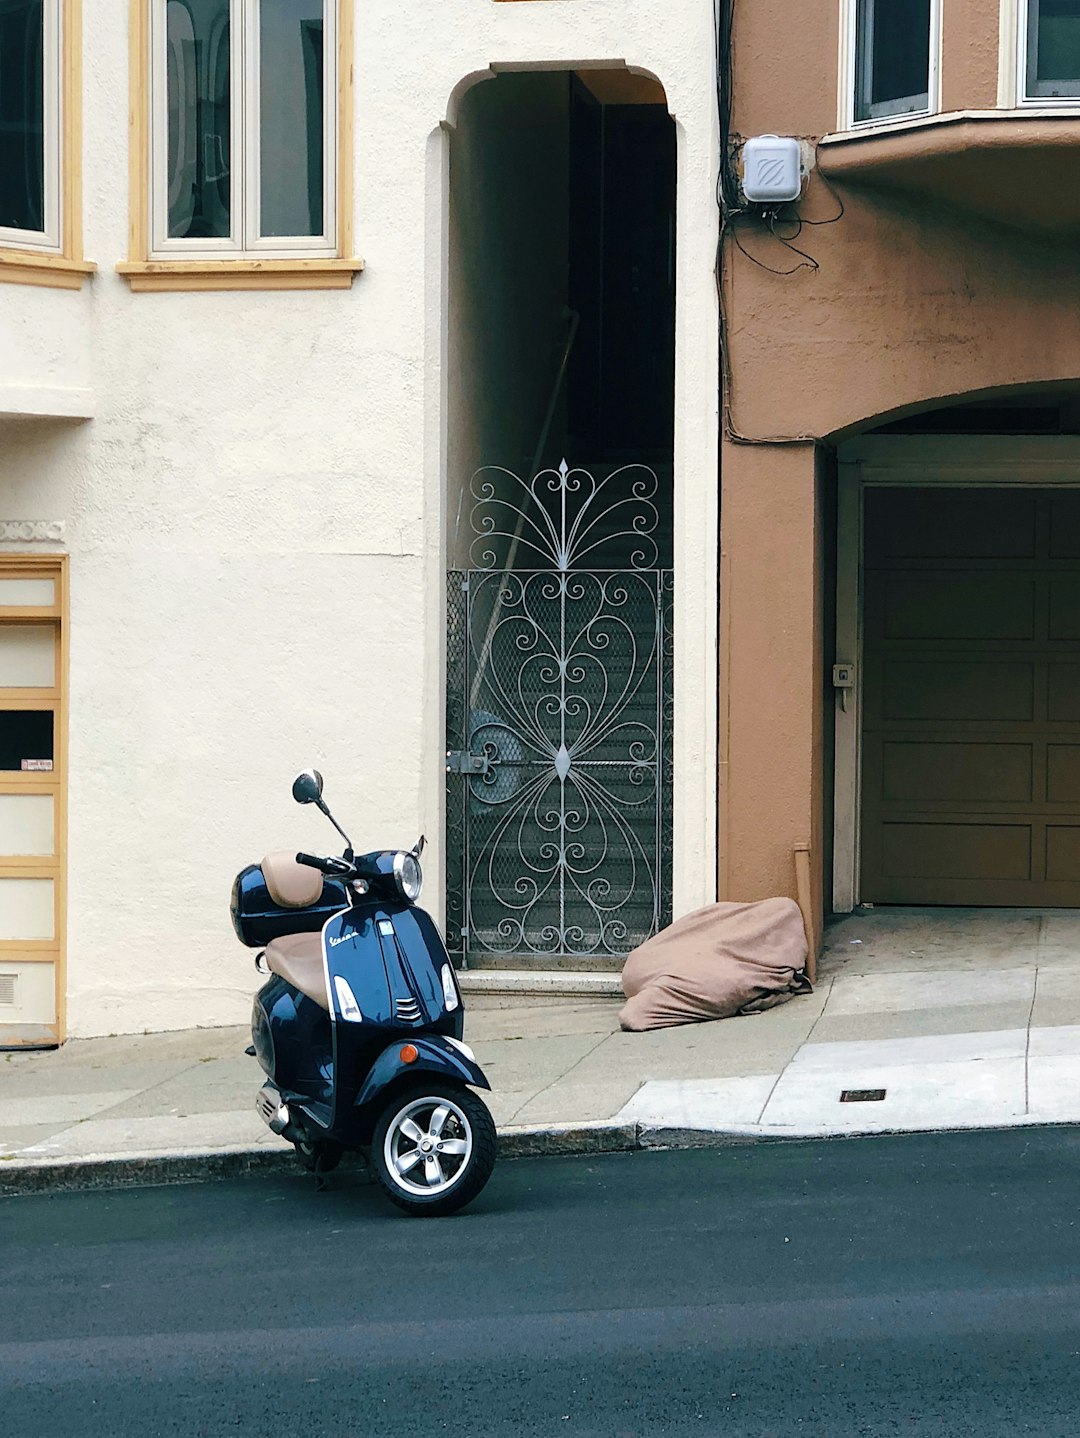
x,y
958,681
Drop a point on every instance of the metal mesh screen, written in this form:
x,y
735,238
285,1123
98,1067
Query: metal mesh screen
x,y
559,714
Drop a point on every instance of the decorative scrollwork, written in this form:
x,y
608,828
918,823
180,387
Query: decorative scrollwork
x,y
560,679
565,519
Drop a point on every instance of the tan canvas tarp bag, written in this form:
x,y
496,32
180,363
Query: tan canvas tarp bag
x,y
724,960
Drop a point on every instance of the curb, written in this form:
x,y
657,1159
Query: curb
x,y
565,1140
115,1171
67,1175
145,1170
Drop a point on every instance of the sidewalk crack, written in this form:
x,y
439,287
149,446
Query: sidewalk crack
x,y
806,1040
1027,1043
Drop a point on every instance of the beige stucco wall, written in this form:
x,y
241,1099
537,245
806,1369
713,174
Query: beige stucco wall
x,y
911,301
256,514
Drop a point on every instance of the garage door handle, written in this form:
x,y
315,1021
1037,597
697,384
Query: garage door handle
x,y
843,678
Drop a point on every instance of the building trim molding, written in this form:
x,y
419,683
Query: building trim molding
x,y
245,274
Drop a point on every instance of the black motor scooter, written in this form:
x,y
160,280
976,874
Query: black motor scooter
x,y
358,1027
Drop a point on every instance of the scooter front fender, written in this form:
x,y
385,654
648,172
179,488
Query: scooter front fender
x,y
435,1055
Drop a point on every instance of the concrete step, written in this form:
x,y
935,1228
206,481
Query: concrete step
x,y
541,983
547,963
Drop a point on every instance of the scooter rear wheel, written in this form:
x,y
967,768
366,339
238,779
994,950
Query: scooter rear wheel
x,y
433,1149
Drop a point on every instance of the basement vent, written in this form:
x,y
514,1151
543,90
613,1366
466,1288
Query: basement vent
x,y
862,1095
7,990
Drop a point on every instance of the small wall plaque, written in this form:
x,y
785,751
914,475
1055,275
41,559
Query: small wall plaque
x,y
32,530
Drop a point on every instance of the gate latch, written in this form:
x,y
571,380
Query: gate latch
x,y
459,762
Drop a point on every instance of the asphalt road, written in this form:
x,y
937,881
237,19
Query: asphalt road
x,y
916,1285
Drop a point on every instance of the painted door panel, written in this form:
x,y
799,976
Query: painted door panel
x,y
971,728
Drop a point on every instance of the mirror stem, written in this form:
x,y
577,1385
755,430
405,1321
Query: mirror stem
x,y
337,826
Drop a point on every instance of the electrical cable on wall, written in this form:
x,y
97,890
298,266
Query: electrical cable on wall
x,y
736,212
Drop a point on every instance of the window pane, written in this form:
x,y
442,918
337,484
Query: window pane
x,y
1054,48
26,909
22,115
27,656
26,737
41,593
291,101
26,824
892,62
199,126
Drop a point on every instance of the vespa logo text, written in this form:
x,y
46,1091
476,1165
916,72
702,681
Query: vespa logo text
x,y
344,939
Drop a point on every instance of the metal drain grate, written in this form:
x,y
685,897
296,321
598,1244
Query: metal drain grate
x,y
7,990
862,1095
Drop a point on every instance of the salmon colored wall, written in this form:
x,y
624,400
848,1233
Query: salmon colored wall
x,y
786,71
784,65
969,54
769,640
911,302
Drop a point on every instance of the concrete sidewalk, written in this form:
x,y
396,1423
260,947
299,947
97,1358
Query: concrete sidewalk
x,y
982,1031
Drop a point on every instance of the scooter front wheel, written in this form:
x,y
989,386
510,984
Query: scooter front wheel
x,y
434,1148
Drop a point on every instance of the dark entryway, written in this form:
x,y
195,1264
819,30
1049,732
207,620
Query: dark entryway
x,y
559,643
622,276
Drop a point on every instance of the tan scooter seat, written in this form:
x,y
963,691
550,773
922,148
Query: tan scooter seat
x,y
298,959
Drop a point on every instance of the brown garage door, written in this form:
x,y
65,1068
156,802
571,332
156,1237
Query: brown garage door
x,y
971,697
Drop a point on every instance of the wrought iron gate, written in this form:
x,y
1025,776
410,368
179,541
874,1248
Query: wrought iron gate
x,y
559,717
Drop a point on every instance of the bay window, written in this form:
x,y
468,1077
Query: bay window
x,y
894,48
30,136
245,113
1051,48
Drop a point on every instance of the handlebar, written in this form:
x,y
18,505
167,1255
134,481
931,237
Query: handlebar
x,y
338,868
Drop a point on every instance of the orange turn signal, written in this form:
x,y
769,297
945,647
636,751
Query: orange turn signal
x,y
409,1054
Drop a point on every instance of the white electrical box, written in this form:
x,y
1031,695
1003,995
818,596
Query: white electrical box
x,y
772,169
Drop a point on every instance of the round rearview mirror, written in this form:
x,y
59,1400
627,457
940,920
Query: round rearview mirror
x,y
307,787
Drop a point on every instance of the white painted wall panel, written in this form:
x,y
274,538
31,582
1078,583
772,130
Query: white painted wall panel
x,y
26,825
39,592
32,991
27,656
27,909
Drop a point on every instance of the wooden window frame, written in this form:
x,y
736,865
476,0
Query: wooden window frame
x,y
55,258
47,951
266,266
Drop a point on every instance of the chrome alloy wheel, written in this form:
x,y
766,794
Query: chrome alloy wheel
x,y
428,1146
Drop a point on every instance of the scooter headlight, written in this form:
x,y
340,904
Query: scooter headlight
x,y
408,876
